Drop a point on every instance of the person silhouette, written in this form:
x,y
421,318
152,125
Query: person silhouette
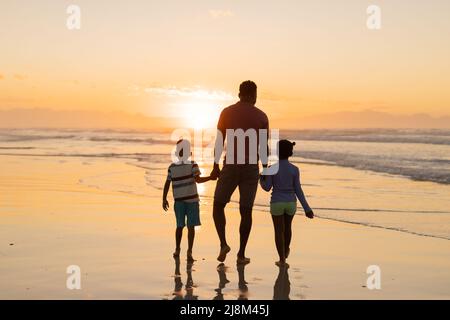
x,y
243,288
189,288
178,290
184,175
282,287
223,281
240,168
190,283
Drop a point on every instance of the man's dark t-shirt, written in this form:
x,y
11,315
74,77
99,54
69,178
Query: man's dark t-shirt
x,y
243,116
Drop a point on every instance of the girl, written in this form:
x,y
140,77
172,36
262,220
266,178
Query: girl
x,y
283,204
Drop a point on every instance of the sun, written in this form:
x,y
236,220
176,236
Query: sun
x,y
200,115
201,122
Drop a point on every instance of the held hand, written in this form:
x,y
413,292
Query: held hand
x,y
215,173
309,213
265,171
165,204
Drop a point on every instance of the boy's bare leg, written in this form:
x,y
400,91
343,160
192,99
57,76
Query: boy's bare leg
x,y
279,228
287,234
191,237
178,237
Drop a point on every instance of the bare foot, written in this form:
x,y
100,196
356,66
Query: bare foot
x,y
176,254
190,258
223,253
242,260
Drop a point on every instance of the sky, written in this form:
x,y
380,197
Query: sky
x,y
187,58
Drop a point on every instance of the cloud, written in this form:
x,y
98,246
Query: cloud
x,y
190,92
216,14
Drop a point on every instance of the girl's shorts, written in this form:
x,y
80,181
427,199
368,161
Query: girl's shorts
x,y
280,208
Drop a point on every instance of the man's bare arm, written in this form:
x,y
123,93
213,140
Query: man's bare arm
x,y
218,148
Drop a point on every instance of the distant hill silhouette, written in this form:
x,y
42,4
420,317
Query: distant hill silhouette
x,y
46,118
364,119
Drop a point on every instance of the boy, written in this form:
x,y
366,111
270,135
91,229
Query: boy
x,y
184,176
283,204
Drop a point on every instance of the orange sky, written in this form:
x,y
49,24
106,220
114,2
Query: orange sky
x,y
179,58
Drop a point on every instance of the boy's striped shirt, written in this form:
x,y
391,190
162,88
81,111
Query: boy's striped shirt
x,y
183,176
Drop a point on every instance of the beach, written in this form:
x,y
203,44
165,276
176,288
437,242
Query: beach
x,y
104,215
99,98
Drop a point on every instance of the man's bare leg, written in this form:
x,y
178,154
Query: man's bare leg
x,y
244,230
220,222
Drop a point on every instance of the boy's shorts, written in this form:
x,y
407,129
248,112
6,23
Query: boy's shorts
x,y
280,208
189,211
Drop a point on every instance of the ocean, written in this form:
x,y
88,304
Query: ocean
x,y
392,179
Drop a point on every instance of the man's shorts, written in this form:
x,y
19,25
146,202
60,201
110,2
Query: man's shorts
x,y
244,176
281,208
189,211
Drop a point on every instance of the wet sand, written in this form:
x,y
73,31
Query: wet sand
x,y
123,243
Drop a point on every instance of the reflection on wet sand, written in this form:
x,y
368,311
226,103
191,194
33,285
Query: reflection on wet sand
x,y
189,289
243,289
282,287
221,270
223,281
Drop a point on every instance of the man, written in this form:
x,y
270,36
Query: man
x,y
240,167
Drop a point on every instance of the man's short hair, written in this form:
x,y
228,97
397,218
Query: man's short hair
x,y
248,89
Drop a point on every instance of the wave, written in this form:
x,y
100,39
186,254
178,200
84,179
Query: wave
x,y
371,224
33,137
437,137
136,156
422,136
415,161
96,138
130,140
434,170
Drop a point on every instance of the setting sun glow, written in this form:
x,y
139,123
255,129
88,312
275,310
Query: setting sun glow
x,y
200,115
